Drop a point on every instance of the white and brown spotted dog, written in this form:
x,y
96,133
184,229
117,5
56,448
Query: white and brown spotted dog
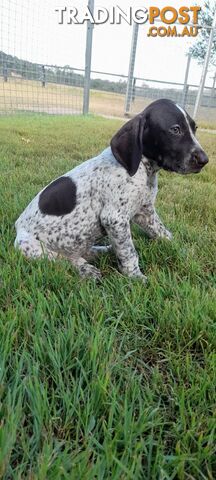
x,y
103,195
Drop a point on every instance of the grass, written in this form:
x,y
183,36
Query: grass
x,y
113,380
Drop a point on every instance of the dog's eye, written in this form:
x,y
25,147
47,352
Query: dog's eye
x,y
176,130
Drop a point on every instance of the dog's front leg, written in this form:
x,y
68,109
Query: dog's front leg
x,y
150,222
118,230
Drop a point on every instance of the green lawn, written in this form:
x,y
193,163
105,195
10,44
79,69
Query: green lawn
x,y
114,380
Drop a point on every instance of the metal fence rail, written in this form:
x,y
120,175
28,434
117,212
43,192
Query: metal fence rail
x,y
27,86
53,89
27,82
148,88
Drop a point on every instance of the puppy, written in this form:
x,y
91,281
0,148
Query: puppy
x,y
103,195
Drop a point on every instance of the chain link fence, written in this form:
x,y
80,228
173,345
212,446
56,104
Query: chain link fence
x,y
144,91
59,90
28,83
28,87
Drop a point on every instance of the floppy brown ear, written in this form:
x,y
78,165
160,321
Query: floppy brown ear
x,y
126,145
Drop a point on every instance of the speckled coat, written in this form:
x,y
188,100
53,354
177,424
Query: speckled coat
x,y
107,200
103,195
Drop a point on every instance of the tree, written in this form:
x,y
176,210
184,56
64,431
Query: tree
x,y
198,50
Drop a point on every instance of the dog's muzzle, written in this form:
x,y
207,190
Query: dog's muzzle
x,y
198,158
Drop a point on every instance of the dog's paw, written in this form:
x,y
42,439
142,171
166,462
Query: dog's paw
x,y
140,276
89,271
143,278
168,235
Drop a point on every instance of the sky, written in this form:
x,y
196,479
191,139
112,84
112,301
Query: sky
x,y
30,30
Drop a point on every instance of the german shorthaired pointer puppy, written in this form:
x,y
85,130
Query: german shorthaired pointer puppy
x,y
104,194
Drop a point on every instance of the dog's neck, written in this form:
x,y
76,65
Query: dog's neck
x,y
150,165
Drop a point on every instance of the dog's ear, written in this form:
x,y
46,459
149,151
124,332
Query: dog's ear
x,y
127,144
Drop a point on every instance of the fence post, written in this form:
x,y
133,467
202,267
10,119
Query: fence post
x,y
134,89
129,91
213,87
88,56
186,86
205,67
5,73
43,76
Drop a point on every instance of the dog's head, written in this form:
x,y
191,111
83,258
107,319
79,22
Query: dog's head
x,y
165,134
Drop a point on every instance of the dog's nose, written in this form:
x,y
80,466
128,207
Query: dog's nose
x,y
200,158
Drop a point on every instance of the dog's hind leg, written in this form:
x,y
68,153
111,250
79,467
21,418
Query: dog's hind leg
x,y
31,247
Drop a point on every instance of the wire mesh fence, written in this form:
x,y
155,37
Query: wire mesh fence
x,y
144,91
39,88
59,90
30,82
107,93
